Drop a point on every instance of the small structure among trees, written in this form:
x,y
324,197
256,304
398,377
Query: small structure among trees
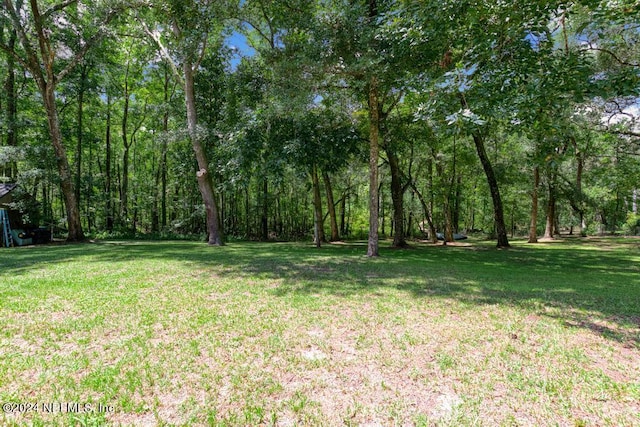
x,y
18,218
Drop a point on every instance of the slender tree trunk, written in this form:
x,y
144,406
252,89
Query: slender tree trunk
x,y
88,200
107,170
498,212
318,226
126,144
397,197
335,236
265,209
205,185
124,190
533,228
580,168
163,162
155,212
80,131
456,205
551,212
343,214
374,135
12,105
427,213
448,229
247,215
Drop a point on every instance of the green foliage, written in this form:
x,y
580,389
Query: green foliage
x,y
544,83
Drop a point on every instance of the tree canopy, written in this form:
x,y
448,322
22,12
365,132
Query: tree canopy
x,y
400,119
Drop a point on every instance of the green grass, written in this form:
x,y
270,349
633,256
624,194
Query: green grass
x,y
179,333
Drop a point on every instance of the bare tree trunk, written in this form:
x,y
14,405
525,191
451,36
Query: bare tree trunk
x,y
551,213
12,105
448,229
335,236
498,212
163,164
247,216
66,183
318,226
397,197
203,175
533,228
580,169
107,169
374,135
80,130
457,195
343,214
427,213
265,209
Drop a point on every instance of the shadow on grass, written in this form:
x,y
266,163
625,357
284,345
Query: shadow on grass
x,y
592,285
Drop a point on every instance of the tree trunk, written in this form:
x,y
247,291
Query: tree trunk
x,y
80,131
580,168
446,212
40,64
533,228
374,135
247,216
318,227
66,184
203,175
456,205
265,209
107,169
343,215
12,106
551,212
397,197
126,144
427,213
498,212
335,236
163,160
124,189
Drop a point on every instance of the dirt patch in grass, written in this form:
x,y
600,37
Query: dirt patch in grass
x,y
405,340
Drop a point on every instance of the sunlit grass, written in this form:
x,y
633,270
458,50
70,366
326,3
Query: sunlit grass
x,y
185,334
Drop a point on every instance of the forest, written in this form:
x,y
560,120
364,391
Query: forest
x,y
323,120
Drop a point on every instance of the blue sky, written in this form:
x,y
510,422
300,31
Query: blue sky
x,y
239,43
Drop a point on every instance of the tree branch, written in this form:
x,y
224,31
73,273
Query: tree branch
x,y
203,52
163,52
31,63
58,7
79,56
613,55
13,54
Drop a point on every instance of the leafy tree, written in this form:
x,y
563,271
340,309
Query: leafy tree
x,y
182,31
50,50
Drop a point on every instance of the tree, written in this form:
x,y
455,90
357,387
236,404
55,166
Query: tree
x,y
50,50
188,28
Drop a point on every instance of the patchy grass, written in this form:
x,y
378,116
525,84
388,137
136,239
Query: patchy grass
x,y
178,333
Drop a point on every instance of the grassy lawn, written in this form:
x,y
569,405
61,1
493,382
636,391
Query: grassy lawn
x,y
178,333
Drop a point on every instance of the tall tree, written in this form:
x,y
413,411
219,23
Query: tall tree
x,y
50,52
182,33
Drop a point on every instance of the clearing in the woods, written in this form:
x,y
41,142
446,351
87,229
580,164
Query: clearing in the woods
x,y
179,333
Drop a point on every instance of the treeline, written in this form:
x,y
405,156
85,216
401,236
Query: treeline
x,y
326,120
